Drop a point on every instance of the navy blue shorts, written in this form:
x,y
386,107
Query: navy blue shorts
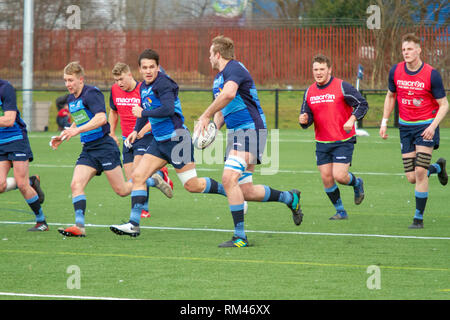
x,y
18,150
335,152
102,154
248,140
137,149
179,151
410,136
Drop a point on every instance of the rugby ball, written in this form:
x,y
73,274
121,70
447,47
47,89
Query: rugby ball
x,y
205,138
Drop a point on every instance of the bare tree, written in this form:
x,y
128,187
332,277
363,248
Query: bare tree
x,y
397,18
191,9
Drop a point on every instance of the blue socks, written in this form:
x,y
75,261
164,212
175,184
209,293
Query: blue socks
x,y
421,202
36,207
434,168
278,196
335,197
334,194
138,199
237,211
151,182
79,205
353,181
212,186
146,201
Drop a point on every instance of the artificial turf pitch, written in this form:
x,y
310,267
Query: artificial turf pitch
x,y
372,255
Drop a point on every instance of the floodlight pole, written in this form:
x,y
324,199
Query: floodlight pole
x,y
27,63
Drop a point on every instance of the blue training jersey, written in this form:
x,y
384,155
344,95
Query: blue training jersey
x,y
244,111
8,103
162,106
84,108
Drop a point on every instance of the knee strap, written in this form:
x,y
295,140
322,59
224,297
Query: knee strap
x,y
236,164
246,177
423,160
409,164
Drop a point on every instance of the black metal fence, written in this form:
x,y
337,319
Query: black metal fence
x,y
281,107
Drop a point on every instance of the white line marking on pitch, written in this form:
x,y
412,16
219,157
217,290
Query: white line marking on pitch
x,y
254,231
12,294
220,170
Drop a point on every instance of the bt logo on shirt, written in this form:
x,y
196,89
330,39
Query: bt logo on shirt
x,y
147,104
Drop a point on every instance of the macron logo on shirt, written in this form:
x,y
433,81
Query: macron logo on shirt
x,y
121,101
322,98
404,84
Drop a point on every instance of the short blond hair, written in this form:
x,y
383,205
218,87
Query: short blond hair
x,y
225,46
120,68
74,68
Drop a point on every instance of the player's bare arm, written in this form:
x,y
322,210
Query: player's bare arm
x,y
113,119
98,120
389,104
144,130
137,135
348,126
428,133
219,120
131,138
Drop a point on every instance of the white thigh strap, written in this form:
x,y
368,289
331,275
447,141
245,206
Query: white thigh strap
x,y
187,175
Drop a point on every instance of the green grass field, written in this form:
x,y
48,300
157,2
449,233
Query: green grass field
x,y
176,256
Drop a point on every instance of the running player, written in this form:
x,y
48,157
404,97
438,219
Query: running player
x,y
15,152
237,105
171,144
100,152
124,95
422,105
334,106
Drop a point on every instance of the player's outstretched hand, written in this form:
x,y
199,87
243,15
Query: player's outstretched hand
x,y
70,132
56,141
130,139
201,125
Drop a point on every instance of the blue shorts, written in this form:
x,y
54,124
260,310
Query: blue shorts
x,y
178,151
137,149
335,152
410,136
102,154
248,140
18,150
